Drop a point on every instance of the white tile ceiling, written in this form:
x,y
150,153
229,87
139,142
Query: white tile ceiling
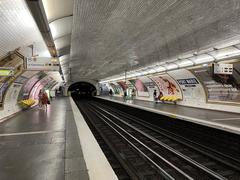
x,y
108,35
18,29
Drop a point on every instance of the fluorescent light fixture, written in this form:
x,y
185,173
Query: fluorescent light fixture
x,y
185,56
159,68
185,63
225,53
150,70
54,30
227,43
171,66
138,73
203,58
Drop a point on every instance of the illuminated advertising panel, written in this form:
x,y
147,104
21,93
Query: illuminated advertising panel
x,y
167,85
116,88
25,92
123,85
3,88
141,88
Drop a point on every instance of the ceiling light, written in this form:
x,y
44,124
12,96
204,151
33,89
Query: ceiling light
x,y
204,58
150,71
159,68
225,53
185,63
171,66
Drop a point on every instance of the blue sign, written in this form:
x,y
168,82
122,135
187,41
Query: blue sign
x,y
187,81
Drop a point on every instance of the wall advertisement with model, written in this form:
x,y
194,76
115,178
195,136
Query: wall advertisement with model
x,y
167,85
140,85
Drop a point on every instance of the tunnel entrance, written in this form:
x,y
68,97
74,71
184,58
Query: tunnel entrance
x,y
82,90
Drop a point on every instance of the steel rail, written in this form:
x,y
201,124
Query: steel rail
x,y
177,137
198,165
162,171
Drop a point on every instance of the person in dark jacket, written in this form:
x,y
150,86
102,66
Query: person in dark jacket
x,y
155,96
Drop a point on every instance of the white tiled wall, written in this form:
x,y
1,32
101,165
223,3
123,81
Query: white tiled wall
x,y
10,103
18,29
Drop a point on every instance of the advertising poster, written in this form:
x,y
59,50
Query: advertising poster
x,y
123,85
25,91
3,88
21,80
220,87
29,74
167,85
104,88
191,88
131,89
142,90
116,88
44,83
13,92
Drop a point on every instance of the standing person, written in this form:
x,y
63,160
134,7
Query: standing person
x,y
40,99
133,94
160,95
124,95
45,100
110,92
155,96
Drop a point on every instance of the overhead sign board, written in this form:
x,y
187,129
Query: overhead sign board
x,y
223,68
42,64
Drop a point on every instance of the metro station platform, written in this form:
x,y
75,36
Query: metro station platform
x,y
39,145
216,119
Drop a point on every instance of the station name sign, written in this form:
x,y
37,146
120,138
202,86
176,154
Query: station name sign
x,y
190,82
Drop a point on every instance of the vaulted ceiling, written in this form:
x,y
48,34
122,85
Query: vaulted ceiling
x,y
110,36
96,39
60,18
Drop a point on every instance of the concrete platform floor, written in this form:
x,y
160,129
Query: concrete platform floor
x,y
39,145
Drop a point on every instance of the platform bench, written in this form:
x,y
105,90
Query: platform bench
x,y
173,99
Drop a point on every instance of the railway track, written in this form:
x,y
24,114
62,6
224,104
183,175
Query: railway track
x,y
145,152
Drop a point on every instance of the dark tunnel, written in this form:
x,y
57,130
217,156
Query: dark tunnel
x,y
81,90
